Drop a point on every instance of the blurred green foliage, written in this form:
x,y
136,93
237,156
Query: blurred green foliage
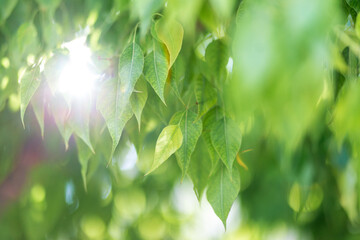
x,y
254,102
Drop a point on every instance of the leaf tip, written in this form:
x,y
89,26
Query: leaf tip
x,y
22,118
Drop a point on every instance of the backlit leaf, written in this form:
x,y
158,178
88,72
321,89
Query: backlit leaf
x,y
53,69
60,112
114,112
131,65
38,105
79,121
169,140
171,33
84,155
138,99
28,85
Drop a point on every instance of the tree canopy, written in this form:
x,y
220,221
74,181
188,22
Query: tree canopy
x,y
110,109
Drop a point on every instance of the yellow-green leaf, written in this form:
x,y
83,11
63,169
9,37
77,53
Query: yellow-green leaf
x,y
170,140
171,33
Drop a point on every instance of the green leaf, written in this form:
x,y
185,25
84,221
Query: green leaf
x,y
208,124
29,83
24,42
145,10
191,131
156,69
60,113
357,26
222,191
38,105
115,113
84,155
206,95
217,57
200,168
7,6
53,69
79,122
169,140
171,33
138,99
176,80
226,139
131,64
113,100
355,4
50,30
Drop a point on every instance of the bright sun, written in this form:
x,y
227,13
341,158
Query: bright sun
x,y
77,79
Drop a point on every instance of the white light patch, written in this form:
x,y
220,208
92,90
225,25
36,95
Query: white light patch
x,y
77,79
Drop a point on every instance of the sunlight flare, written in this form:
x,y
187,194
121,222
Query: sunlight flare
x,y
77,79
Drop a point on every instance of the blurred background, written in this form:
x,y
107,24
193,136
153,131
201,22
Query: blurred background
x,y
290,80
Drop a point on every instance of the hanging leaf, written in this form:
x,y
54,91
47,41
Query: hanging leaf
x,y
176,80
191,131
208,124
79,122
171,33
217,57
226,139
200,168
38,105
156,69
138,99
131,66
84,155
53,69
116,115
60,113
113,100
222,191
28,85
206,95
170,140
